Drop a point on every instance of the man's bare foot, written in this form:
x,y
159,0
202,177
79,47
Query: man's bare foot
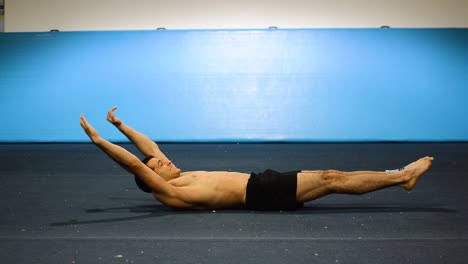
x,y
415,170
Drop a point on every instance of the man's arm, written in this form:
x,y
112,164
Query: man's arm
x,y
142,142
128,161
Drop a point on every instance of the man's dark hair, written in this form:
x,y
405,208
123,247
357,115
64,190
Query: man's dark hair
x,y
139,182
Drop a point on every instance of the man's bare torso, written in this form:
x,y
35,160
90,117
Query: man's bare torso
x,y
211,189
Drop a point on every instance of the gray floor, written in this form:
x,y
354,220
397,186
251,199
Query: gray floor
x,y
68,203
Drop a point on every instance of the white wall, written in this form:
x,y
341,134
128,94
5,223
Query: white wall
x,y
77,15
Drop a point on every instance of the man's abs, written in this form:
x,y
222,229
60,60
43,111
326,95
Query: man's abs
x,y
212,189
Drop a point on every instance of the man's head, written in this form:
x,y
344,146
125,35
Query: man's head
x,y
163,168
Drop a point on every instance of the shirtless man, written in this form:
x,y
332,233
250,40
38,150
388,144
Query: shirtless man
x,y
270,190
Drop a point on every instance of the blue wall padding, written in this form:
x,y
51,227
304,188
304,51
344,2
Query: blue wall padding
x,y
237,85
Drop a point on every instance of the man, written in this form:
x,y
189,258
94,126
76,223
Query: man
x,y
270,190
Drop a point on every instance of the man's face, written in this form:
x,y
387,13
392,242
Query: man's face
x,y
164,168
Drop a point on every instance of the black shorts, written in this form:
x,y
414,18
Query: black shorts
x,y
272,190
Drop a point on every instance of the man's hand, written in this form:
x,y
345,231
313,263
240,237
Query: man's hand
x,y
111,117
89,129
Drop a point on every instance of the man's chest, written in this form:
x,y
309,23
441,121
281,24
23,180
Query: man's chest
x,y
212,179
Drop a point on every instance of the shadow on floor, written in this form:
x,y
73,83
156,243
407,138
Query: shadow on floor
x,y
158,210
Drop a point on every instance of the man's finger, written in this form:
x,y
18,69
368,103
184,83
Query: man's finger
x,y
82,123
85,122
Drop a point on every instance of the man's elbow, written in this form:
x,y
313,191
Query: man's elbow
x,y
135,166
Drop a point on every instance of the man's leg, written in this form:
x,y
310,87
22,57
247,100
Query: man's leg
x,y
314,184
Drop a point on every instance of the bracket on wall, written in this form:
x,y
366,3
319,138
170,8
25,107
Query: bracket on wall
x,y
272,27
161,28
54,30
384,26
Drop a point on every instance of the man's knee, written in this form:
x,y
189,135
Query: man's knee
x,y
332,179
